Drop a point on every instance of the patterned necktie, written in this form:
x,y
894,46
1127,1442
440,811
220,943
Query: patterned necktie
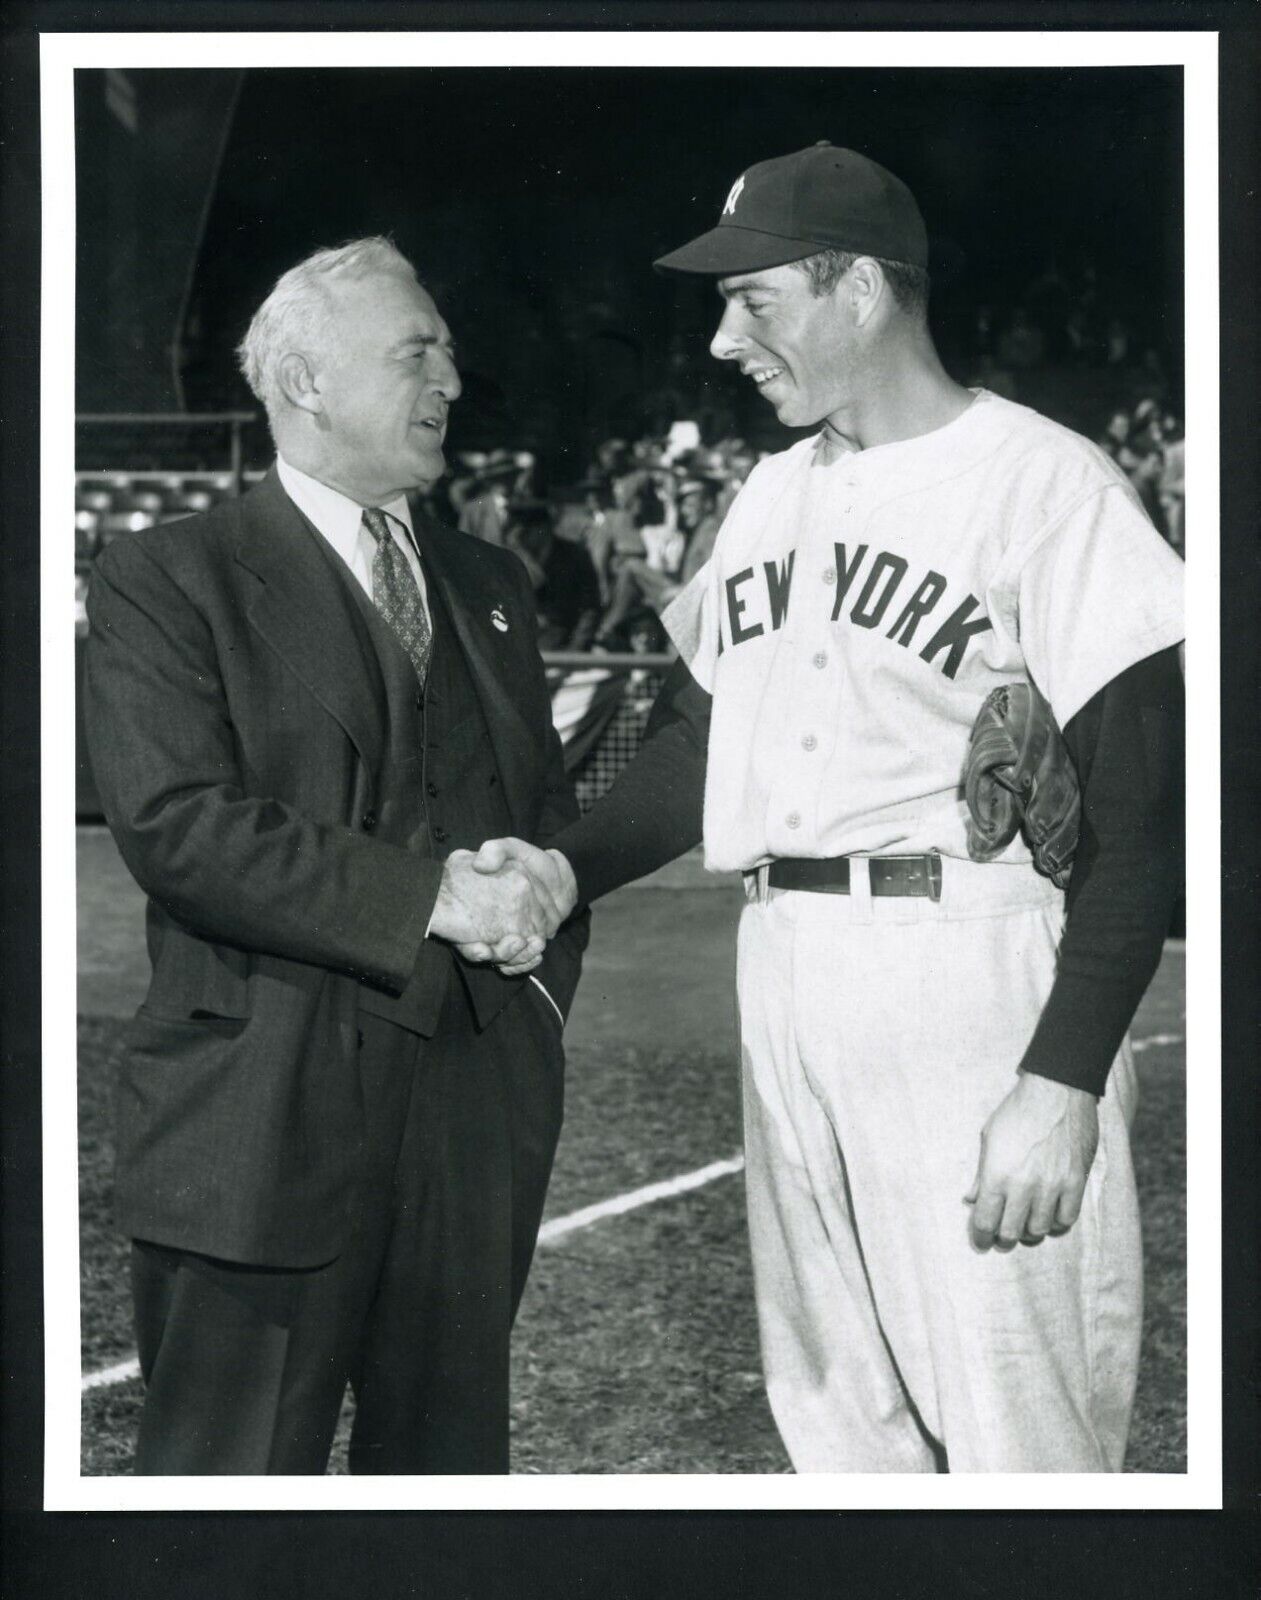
x,y
395,593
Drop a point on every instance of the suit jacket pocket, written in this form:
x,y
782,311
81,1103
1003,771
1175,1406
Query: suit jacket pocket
x,y
152,1026
194,980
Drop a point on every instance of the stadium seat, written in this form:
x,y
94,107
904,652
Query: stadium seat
x,y
140,500
100,500
87,525
120,522
187,501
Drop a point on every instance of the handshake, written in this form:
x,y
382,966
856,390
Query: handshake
x,y
503,904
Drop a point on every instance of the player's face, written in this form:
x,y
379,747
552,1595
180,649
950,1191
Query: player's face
x,y
387,381
794,345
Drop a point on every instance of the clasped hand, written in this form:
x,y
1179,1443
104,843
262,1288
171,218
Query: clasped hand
x,y
504,903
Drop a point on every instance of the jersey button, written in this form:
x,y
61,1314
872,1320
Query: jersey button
x,y
819,659
829,575
809,742
440,834
793,820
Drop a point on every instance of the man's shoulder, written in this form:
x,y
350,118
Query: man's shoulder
x,y
1038,447
179,548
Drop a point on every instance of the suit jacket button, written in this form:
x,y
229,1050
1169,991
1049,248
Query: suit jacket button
x,y
369,821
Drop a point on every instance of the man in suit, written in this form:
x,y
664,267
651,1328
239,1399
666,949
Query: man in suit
x,y
335,1128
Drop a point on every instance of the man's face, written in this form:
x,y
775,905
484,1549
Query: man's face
x,y
692,509
796,346
387,380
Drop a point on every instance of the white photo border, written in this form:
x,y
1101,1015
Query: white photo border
x,y
64,1487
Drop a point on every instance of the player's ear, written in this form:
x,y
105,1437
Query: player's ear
x,y
865,288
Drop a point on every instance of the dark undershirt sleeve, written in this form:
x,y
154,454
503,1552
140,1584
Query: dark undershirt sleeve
x,y
653,812
1128,746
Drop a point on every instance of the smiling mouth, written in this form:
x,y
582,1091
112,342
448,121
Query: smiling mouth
x,y
764,375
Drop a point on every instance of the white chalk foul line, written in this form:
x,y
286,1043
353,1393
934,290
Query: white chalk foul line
x,y
125,1371
648,1195
1155,1041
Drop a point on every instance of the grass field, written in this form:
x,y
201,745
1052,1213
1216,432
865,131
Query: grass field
x,y
636,1349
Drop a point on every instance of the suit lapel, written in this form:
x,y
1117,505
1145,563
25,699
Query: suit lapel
x,y
309,617
469,602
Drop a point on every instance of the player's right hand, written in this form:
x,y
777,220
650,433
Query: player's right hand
x,y
1037,1149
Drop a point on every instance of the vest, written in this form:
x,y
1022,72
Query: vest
x,y
439,788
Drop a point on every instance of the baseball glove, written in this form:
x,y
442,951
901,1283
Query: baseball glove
x,y
1019,775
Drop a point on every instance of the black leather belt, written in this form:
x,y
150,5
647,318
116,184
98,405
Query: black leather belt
x,y
891,875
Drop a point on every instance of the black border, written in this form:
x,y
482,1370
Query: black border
x,y
482,1554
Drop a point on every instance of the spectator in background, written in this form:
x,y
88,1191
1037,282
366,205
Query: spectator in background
x,y
1117,342
700,522
653,577
611,533
1143,457
1021,343
1079,342
1115,436
484,514
641,634
653,583
483,500
1171,484
656,519
566,595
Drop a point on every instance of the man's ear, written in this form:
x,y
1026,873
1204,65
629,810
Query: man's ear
x,y
865,289
298,382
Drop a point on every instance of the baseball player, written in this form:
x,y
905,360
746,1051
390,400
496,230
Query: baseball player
x,y
937,1081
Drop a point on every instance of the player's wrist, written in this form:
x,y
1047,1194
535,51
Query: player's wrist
x,y
1040,1089
568,879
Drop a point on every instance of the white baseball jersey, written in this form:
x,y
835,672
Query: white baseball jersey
x,y
860,605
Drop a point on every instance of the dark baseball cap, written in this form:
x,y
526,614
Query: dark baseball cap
x,y
820,198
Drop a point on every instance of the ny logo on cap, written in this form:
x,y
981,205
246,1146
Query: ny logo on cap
x,y
729,210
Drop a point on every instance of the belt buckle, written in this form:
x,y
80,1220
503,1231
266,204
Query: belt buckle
x,y
916,868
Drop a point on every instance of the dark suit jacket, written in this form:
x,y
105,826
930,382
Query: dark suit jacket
x,y
237,725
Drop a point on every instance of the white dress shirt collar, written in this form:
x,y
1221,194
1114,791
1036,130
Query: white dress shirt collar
x,y
336,516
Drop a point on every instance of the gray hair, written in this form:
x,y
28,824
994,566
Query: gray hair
x,y
909,284
295,315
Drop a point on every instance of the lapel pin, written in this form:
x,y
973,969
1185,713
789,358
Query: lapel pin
x,y
499,620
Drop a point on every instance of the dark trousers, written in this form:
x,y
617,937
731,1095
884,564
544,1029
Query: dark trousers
x,y
246,1367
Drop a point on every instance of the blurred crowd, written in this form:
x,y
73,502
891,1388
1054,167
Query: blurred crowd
x,y
607,553
1068,315
1148,443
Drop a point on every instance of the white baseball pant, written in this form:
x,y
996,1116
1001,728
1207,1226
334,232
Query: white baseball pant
x,y
877,1037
